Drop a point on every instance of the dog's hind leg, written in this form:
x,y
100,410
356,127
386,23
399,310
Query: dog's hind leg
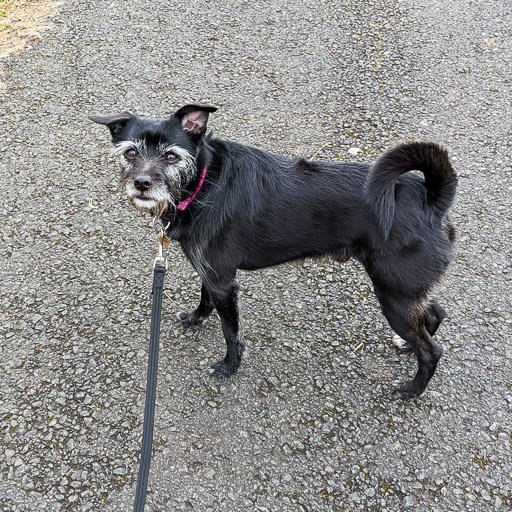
x,y
196,316
409,321
226,302
434,315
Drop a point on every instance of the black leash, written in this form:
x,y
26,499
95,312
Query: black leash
x,y
160,267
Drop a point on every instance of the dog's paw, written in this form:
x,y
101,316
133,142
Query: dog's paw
x,y
409,390
222,370
401,344
189,319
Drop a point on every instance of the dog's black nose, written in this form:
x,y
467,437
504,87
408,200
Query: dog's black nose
x,y
142,183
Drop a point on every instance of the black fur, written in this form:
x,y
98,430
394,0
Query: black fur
x,y
257,210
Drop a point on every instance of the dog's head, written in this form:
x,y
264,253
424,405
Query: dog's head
x,y
158,156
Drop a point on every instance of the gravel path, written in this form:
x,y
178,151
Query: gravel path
x,y
310,422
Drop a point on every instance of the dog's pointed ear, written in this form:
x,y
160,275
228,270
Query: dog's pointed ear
x,y
193,118
116,124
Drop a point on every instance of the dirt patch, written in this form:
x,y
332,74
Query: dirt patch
x,y
22,22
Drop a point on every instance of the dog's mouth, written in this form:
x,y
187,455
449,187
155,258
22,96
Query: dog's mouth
x,y
151,201
143,202
149,205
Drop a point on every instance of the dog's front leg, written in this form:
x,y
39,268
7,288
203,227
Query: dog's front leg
x,y
226,302
196,316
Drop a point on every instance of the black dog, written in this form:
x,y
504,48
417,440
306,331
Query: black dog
x,y
235,207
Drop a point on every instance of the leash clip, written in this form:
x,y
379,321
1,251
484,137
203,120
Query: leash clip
x,y
163,241
160,259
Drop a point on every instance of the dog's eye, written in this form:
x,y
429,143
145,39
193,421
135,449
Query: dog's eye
x,y
172,157
130,153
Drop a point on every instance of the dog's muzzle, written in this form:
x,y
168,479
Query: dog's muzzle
x,y
145,193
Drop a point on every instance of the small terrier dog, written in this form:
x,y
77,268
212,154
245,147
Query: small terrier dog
x,y
236,207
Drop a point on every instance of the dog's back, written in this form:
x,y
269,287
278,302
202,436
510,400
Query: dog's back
x,y
279,209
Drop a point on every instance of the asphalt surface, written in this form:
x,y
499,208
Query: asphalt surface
x,y
310,423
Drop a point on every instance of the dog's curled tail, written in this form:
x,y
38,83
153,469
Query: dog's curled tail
x,y
429,158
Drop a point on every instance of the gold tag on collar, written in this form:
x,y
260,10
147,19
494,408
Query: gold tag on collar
x,y
165,241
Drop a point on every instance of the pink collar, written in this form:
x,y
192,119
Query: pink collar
x,y
183,204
